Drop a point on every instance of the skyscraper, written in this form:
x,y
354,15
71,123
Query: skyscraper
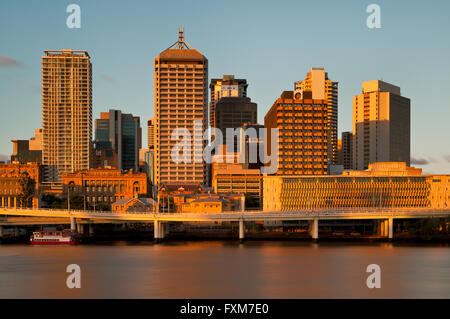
x,y
381,125
121,133
323,88
151,134
347,150
227,86
302,124
66,112
233,113
181,102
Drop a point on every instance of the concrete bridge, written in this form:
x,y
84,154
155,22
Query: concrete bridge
x,y
384,217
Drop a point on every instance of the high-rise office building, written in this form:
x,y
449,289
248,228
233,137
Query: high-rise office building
x,y
181,102
66,112
151,134
381,125
347,150
302,125
121,133
227,86
323,88
233,113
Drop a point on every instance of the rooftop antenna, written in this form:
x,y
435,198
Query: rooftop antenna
x,y
180,44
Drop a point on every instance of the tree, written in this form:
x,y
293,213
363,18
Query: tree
x,y
26,189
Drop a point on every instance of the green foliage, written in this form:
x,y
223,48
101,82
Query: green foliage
x,y
26,190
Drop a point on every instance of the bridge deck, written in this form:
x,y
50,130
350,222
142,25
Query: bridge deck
x,y
321,214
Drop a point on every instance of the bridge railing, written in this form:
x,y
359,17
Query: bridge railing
x,y
323,212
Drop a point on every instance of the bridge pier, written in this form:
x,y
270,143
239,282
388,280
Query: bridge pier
x,y
159,231
241,230
390,223
80,228
73,223
91,230
1,231
314,229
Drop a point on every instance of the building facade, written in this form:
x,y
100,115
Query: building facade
x,y
227,86
347,150
10,187
323,88
105,185
230,177
27,151
120,133
151,134
303,141
233,113
381,125
181,102
383,185
66,112
252,140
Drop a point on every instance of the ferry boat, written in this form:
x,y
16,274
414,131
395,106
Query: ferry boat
x,y
55,237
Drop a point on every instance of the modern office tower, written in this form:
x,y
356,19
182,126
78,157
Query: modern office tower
x,y
66,112
227,86
347,150
151,134
381,125
233,113
302,125
121,133
252,137
323,88
27,151
181,102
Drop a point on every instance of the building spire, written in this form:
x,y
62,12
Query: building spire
x,y
180,44
181,35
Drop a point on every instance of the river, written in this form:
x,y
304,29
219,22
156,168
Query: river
x,y
225,269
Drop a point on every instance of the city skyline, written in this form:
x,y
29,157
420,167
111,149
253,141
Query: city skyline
x,y
393,63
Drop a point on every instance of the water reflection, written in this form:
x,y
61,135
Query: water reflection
x,y
226,269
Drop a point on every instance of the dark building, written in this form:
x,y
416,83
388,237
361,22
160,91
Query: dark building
x,y
234,112
347,150
23,154
227,86
121,133
253,140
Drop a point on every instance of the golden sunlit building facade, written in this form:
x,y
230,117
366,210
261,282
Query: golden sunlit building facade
x,y
105,185
381,125
66,112
181,102
322,88
303,131
383,185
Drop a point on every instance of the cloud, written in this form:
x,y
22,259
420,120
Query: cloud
x,y
419,161
7,62
107,78
447,158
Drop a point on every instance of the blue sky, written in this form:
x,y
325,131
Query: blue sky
x,y
270,43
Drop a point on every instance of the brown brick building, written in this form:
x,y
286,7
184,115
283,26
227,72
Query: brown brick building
x,y
302,125
9,182
105,185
